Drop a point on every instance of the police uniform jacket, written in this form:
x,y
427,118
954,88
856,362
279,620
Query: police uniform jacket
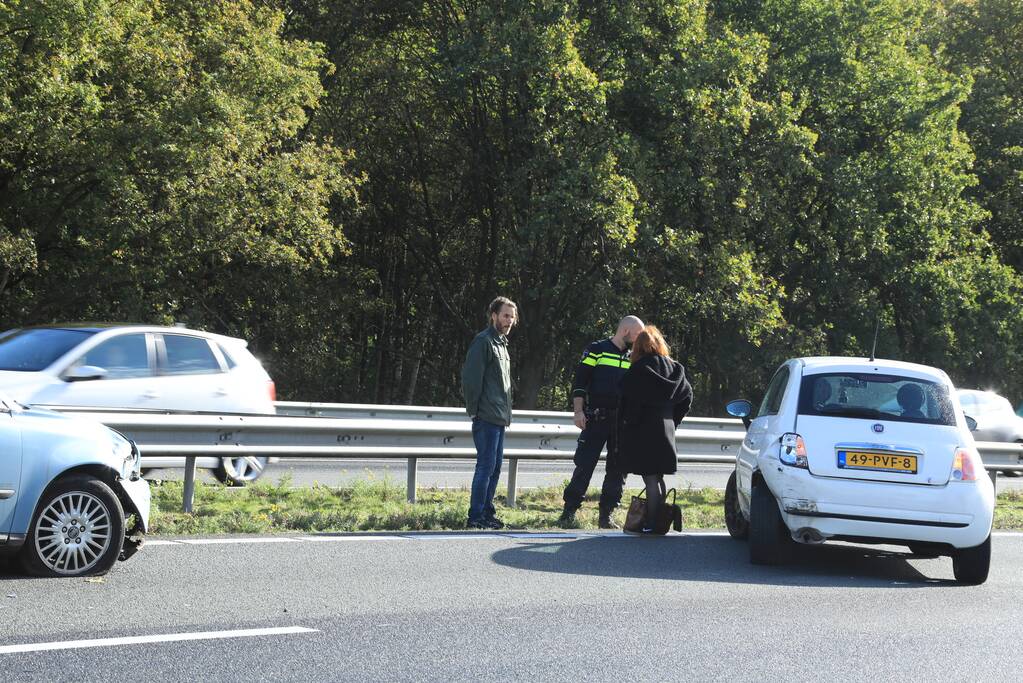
x,y
598,376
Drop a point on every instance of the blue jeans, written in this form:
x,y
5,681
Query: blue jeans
x,y
489,440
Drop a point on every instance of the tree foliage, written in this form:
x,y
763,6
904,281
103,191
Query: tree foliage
x,y
347,184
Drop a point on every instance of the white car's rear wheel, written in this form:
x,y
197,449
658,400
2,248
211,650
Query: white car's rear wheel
x,y
769,538
971,565
77,530
241,470
738,525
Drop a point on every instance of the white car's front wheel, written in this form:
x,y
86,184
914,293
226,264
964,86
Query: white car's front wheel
x,y
769,539
77,530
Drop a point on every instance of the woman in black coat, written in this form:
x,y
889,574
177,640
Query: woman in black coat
x,y
655,398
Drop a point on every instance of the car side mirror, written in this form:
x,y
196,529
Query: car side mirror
x,y
740,408
971,423
84,373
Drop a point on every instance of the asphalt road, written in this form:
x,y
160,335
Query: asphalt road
x,y
458,473
458,607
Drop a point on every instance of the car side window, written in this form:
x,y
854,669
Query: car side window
x,y
123,357
775,391
231,364
188,355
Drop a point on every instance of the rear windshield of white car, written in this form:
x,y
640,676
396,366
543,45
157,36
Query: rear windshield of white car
x,y
36,349
871,396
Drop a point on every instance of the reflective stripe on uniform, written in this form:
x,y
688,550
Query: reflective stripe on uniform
x,y
613,360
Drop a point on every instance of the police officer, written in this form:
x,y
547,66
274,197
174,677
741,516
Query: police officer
x,y
595,394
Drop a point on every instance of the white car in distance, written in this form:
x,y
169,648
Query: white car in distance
x,y
867,451
996,420
139,367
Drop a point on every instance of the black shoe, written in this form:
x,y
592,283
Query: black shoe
x,y
606,521
493,523
567,519
472,524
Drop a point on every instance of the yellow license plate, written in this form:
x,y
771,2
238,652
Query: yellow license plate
x,y
883,462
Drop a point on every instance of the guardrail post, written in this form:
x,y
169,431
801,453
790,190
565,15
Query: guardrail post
x,y
186,503
994,480
412,465
513,475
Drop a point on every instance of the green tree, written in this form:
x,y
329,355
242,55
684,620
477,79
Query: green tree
x,y
983,39
891,230
492,168
152,164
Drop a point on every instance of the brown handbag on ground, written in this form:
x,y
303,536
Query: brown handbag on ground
x,y
668,516
636,512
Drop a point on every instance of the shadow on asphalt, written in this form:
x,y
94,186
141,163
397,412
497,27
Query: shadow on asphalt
x,y
720,559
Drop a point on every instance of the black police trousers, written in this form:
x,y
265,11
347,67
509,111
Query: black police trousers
x,y
598,432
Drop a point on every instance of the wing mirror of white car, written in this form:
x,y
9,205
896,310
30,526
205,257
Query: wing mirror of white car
x,y
971,423
740,408
84,373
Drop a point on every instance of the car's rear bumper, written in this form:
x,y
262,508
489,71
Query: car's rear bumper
x,y
958,513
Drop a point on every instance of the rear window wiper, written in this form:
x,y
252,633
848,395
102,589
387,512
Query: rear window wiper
x,y
849,411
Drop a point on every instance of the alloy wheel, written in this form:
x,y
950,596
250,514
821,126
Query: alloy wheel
x,y
72,533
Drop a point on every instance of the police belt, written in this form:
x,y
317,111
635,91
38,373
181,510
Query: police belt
x,y
598,414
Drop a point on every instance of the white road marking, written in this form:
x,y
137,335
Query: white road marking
x,y
222,541
149,543
526,534
353,538
455,537
162,638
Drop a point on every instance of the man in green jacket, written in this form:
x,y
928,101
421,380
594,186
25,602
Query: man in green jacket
x,y
486,385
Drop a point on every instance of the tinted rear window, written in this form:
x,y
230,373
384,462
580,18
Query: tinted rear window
x,y
37,349
189,355
871,396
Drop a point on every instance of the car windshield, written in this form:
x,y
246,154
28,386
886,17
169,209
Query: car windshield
x,y
35,349
872,396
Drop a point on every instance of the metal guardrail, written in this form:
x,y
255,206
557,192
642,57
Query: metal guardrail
x,y
410,439
412,433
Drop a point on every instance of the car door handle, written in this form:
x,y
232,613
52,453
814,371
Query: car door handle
x,y
221,391
6,493
151,394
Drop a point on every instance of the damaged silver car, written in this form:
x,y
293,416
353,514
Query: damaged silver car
x,y
72,501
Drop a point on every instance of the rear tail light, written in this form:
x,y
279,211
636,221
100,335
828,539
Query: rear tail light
x,y
272,390
966,465
793,451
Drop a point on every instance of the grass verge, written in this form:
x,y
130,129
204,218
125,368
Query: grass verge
x,y
266,507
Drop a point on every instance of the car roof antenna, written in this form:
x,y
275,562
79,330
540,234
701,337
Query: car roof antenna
x,y
873,348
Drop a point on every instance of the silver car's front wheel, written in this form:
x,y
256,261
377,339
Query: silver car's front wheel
x,y
77,530
241,470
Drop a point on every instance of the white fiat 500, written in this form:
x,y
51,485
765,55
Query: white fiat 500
x,y
868,451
